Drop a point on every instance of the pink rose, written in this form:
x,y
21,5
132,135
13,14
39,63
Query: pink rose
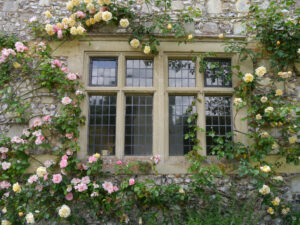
x,y
37,122
71,76
69,135
119,162
3,150
108,186
95,185
81,187
131,181
66,100
48,163
63,163
65,69
6,165
69,152
56,63
32,179
20,47
33,19
59,34
79,92
47,118
115,188
94,194
80,14
92,159
86,180
39,140
3,156
64,157
4,185
46,177
156,159
75,181
69,196
17,140
57,178
85,167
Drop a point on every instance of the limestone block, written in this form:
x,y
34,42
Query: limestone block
x,y
10,6
214,6
242,6
44,2
16,130
177,5
210,28
238,28
295,184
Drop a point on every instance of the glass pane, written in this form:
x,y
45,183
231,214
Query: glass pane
x,y
181,73
178,125
218,118
138,125
103,72
217,73
139,72
102,124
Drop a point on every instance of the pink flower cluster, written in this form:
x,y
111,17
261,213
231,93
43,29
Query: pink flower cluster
x,y
66,101
80,14
71,76
4,185
69,135
20,47
156,159
131,181
57,178
79,92
47,118
5,54
37,122
32,179
56,63
81,184
17,140
3,150
5,165
63,162
92,159
109,187
40,138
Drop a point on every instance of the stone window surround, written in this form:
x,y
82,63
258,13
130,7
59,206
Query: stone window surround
x,y
160,92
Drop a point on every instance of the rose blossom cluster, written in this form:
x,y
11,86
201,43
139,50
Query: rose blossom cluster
x,y
17,140
94,158
5,53
63,162
109,187
81,184
39,137
156,159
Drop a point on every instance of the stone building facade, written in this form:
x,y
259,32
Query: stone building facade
x,y
218,16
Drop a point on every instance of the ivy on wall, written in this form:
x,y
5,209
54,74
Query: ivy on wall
x,y
59,190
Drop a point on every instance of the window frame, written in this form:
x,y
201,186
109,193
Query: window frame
x,y
160,92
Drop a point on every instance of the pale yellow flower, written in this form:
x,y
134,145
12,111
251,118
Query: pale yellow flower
x,y
265,169
292,140
275,146
65,21
107,2
98,17
270,210
49,29
190,37
135,43
71,22
248,77
285,211
80,30
30,218
269,109
92,21
276,201
97,155
124,23
169,27
260,71
147,49
21,214
279,92
88,23
70,5
76,2
4,210
16,188
181,191
264,134
88,1
64,211
73,31
263,99
90,6
258,117
106,16
48,14
264,190
16,65
5,222
41,171
278,178
101,2
60,25
221,36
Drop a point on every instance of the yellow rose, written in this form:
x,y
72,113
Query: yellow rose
x,y
59,26
41,171
90,6
76,2
147,49
265,169
17,188
17,65
264,190
48,14
275,146
107,2
248,77
181,191
190,37
258,117
21,214
260,71
279,92
97,155
269,109
98,17
263,99
70,5
124,23
88,1
73,31
169,27
135,43
49,29
5,222
92,21
101,2
264,134
71,22
65,21
221,36
80,30
106,16
270,210
278,178
276,201
237,101
292,140
64,211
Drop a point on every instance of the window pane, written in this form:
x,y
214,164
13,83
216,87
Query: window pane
x,y
138,125
139,73
218,118
217,73
178,125
182,73
103,72
102,124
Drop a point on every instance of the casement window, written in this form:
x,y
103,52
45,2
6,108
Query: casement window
x,y
138,106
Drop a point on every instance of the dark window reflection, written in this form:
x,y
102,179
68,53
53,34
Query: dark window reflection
x,y
178,125
139,73
182,73
103,72
217,73
138,125
102,124
218,118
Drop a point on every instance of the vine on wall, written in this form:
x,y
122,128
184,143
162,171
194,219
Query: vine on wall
x,y
58,190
